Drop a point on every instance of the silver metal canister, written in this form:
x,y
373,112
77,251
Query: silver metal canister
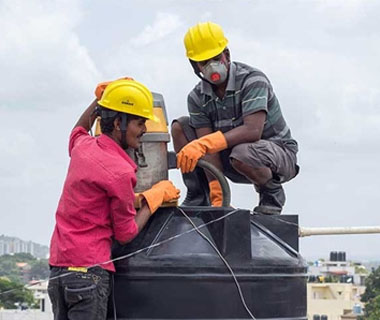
x,y
152,156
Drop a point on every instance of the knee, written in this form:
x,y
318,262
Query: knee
x,y
238,157
176,130
257,175
242,168
236,164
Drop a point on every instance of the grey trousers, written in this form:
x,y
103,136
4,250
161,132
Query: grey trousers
x,y
263,153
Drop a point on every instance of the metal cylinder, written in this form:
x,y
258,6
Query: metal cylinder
x,y
303,232
340,256
151,159
152,156
333,256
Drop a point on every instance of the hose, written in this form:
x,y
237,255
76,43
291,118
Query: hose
x,y
226,191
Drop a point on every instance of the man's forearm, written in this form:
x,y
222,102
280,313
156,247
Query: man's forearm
x,y
88,117
142,215
250,131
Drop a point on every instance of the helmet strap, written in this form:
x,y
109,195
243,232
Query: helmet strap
x,y
197,71
123,129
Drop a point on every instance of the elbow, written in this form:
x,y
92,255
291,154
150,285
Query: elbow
x,y
253,136
126,237
250,133
256,138
124,241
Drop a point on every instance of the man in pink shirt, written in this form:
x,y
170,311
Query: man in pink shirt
x,y
97,201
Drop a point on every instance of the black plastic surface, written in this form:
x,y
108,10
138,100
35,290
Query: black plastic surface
x,y
285,226
185,279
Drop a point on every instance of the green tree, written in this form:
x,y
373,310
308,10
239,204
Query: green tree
x,y
39,269
13,294
372,309
23,257
9,269
371,296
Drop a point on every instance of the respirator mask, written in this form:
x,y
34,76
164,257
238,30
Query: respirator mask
x,y
215,71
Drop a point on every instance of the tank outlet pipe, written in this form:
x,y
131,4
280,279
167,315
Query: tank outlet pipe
x,y
304,232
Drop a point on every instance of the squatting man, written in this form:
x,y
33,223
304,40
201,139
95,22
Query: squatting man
x,y
235,122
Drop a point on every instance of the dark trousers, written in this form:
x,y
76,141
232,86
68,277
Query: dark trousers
x,y
79,295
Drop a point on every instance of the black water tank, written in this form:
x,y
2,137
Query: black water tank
x,y
324,317
185,278
333,256
340,256
317,316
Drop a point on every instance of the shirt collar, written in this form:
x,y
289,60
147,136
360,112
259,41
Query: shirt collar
x,y
206,88
111,144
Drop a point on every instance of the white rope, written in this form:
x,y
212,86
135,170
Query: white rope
x,y
224,261
129,254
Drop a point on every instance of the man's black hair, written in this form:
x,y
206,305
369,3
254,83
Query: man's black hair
x,y
108,117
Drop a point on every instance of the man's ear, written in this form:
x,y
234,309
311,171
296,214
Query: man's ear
x,y
228,55
116,124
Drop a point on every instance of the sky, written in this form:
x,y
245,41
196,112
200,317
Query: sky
x,y
322,58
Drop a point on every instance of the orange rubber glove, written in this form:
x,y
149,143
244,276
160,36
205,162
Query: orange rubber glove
x,y
100,89
102,86
216,194
189,155
163,191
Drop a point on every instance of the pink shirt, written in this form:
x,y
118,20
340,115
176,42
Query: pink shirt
x,y
96,204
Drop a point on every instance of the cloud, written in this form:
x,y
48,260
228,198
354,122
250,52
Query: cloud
x,y
43,63
45,73
325,82
163,25
321,57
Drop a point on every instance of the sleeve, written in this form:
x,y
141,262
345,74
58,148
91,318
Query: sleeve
x,y
255,95
122,207
78,134
198,116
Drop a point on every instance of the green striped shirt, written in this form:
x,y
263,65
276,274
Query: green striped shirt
x,y
248,91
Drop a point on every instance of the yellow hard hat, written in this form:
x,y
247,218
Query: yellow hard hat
x,y
128,96
204,41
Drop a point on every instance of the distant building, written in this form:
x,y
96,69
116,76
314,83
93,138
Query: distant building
x,y
333,300
334,288
11,245
337,269
25,270
40,293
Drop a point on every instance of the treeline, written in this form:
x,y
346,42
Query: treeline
x,y
15,272
23,267
371,296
